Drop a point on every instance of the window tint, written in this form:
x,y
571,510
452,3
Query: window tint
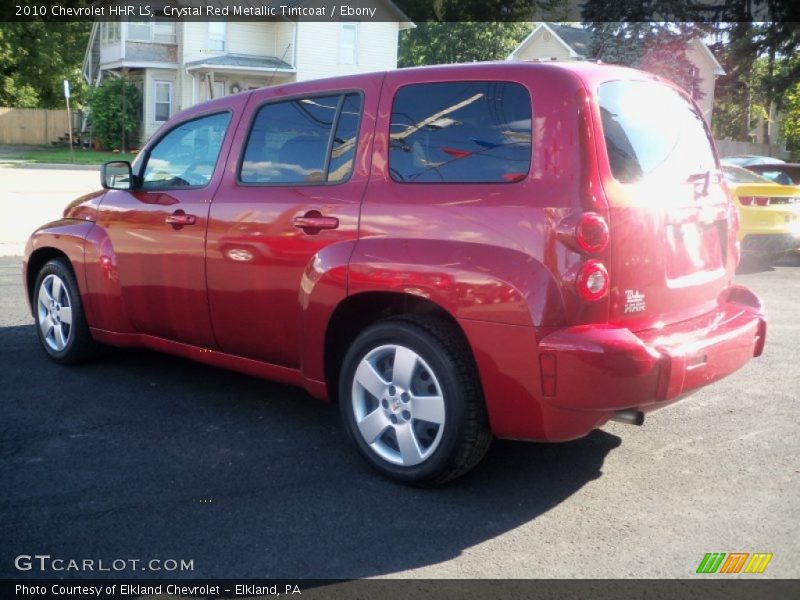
x,y
459,132
289,141
186,156
740,175
343,150
650,129
778,177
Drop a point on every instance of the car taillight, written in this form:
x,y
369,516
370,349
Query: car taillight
x,y
591,281
746,200
762,201
586,233
591,233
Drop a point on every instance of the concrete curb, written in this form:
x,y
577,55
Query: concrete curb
x,y
21,164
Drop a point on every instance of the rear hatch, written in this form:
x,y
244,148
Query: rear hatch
x,y
671,248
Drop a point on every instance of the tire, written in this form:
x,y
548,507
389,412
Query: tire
x,y
422,425
58,313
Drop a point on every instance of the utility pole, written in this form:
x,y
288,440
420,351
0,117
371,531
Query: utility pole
x,y
122,115
69,120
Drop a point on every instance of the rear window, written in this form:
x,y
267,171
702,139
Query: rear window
x,y
651,130
461,132
740,175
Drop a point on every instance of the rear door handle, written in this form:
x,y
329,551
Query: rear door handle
x,y
313,221
180,218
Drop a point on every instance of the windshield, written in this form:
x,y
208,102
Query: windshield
x,y
652,131
739,175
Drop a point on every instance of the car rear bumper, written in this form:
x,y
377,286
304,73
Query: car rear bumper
x,y
769,244
608,369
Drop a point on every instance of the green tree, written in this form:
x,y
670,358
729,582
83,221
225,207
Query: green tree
x,y
790,126
443,43
761,65
35,58
108,118
656,47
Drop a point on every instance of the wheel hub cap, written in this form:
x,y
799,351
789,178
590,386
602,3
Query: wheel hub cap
x,y
398,405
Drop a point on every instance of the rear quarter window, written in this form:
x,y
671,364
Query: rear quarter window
x,y
651,130
461,132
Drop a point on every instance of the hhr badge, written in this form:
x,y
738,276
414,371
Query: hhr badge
x,y
634,302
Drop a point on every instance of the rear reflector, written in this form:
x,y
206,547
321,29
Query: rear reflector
x,y
547,366
592,280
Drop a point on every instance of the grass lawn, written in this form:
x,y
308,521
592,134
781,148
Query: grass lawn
x,y
59,155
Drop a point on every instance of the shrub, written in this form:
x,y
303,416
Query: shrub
x,y
107,116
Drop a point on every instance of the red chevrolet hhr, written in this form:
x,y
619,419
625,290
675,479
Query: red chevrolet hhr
x,y
520,250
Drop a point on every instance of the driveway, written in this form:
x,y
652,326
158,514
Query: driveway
x,y
31,196
139,455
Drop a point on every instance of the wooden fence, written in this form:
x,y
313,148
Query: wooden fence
x,y
32,125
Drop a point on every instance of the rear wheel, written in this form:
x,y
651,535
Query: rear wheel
x,y
411,401
58,311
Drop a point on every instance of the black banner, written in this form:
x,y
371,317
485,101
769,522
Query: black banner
x,y
416,11
404,589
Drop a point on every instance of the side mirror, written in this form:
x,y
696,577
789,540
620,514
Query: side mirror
x,y
117,175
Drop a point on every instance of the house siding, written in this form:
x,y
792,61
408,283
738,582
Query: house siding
x,y
151,76
312,48
705,67
318,49
541,47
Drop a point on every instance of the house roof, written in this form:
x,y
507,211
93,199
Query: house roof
x,y
242,61
581,39
579,43
577,38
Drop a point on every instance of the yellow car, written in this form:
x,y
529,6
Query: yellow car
x,y
769,213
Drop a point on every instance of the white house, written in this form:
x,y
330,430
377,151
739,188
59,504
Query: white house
x,y
564,42
178,64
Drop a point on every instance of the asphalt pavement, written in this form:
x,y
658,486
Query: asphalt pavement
x,y
140,456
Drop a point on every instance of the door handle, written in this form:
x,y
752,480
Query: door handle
x,y
313,221
179,218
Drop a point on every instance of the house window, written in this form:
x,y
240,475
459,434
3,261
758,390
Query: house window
x,y
145,31
109,32
164,32
216,35
348,44
163,101
219,89
139,31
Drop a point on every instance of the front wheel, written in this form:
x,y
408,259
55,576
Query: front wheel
x,y
411,401
58,311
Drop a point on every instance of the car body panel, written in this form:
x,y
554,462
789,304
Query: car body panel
x,y
243,288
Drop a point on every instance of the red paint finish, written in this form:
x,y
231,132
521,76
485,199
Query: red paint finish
x,y
255,302
248,276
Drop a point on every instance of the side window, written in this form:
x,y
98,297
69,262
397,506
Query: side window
x,y
343,150
187,155
461,132
290,141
